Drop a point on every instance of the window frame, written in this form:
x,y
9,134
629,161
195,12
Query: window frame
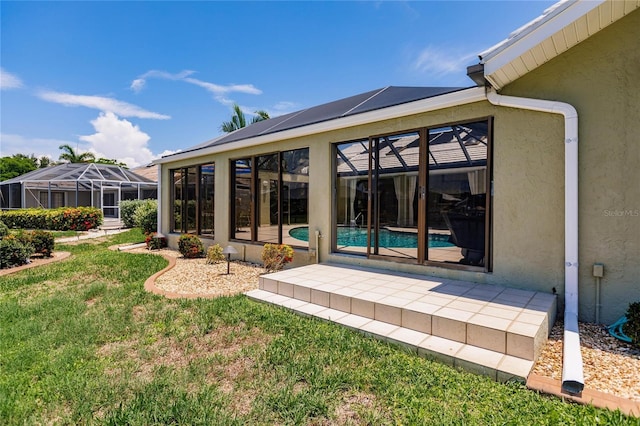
x,y
254,196
184,199
423,195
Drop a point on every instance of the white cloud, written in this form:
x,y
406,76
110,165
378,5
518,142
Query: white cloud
x,y
17,144
101,103
9,81
114,139
119,139
138,84
219,91
165,153
438,62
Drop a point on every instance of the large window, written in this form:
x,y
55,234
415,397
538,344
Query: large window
x,y
270,198
192,199
268,192
352,191
457,201
57,199
242,199
419,196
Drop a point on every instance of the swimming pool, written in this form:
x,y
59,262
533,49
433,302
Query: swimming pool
x,y
356,237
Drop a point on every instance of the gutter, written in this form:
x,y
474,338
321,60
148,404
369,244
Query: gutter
x,y
572,369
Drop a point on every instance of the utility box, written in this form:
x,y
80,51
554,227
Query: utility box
x,y
598,270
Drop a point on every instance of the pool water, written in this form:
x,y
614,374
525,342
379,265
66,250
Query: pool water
x,y
357,237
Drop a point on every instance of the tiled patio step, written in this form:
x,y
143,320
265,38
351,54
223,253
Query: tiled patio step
x,y
508,321
498,366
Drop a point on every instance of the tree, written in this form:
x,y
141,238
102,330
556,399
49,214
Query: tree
x,y
103,160
44,161
238,119
260,115
16,165
71,156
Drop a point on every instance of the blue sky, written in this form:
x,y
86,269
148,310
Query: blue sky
x,y
135,80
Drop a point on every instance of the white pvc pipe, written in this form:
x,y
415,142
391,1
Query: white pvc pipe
x,y
598,305
572,369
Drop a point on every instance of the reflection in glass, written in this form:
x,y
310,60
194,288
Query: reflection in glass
x,y
207,180
457,194
178,200
267,207
352,181
241,228
191,200
295,194
395,161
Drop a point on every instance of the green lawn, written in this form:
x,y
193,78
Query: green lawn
x,y
81,342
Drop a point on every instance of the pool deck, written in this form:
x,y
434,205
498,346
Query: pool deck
x,y
491,330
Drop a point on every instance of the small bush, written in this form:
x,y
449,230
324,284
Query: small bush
x,y
632,326
146,216
43,242
214,254
127,211
154,242
13,252
4,230
190,246
275,256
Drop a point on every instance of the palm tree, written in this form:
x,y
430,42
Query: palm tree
x,y
260,115
238,119
71,156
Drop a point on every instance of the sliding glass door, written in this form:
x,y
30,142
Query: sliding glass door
x,y
393,205
418,196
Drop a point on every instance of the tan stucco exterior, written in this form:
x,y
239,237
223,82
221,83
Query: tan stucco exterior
x,y
599,78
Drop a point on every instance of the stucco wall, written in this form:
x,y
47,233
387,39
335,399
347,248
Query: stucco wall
x,y
600,78
528,203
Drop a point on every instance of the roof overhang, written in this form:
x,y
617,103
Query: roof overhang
x,y
461,97
560,27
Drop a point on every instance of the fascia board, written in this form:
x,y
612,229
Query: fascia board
x,y
528,41
466,96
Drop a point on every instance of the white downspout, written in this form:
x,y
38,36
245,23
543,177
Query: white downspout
x,y
572,371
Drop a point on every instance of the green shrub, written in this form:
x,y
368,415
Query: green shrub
x,y
190,246
214,254
154,242
61,219
127,211
42,242
13,252
275,256
146,216
632,326
4,230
